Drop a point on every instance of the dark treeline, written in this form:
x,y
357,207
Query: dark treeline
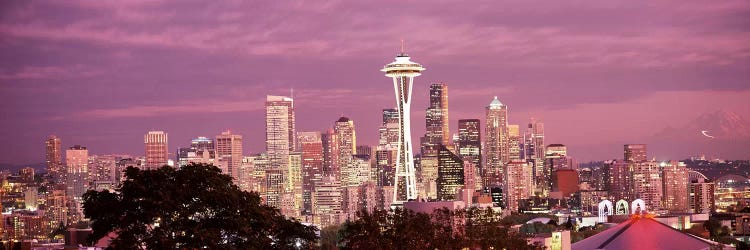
x,y
444,229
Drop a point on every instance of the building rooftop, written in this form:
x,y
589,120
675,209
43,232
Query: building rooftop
x,y
495,103
343,119
644,233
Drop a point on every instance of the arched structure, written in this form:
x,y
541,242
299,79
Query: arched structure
x,y
621,207
695,175
634,207
602,214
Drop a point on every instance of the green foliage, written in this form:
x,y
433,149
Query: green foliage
x,y
536,227
715,229
585,232
443,229
329,237
190,208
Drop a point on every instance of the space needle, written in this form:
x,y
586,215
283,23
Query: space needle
x,y
403,71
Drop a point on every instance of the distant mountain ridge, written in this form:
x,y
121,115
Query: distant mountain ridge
x,y
722,125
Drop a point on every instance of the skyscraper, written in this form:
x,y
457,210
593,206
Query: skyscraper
x,y
201,150
330,160
311,145
346,144
229,153
156,149
635,153
675,185
53,158
450,174
514,142
647,184
620,183
469,140
292,201
517,184
388,131
436,117
385,153
495,143
77,160
556,157
280,129
534,149
469,144
327,201
403,71
702,196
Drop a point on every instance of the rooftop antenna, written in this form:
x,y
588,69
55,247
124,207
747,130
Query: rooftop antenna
x,y
402,45
291,95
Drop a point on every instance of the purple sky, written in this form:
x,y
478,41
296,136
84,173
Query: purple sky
x,y
598,73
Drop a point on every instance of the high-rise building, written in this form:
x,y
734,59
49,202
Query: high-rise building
x,y
436,116
514,142
156,149
246,174
77,161
495,143
635,153
201,150
103,168
450,174
260,164
363,150
702,196
56,209
429,176
470,142
556,157
346,148
53,158
280,129
274,186
229,153
403,71
647,184
292,201
675,185
518,184
620,183
357,172
311,146
389,129
385,164
534,149
327,201
330,157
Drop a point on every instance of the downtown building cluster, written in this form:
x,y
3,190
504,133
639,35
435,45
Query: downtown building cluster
x,y
325,177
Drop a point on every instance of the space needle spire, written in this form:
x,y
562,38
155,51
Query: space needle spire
x,y
403,71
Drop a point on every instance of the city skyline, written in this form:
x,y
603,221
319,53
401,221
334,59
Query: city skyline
x,y
597,87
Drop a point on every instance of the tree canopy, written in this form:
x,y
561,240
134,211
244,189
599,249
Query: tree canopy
x,y
443,229
189,208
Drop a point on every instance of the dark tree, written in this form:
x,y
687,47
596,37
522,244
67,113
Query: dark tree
x,y
190,208
443,229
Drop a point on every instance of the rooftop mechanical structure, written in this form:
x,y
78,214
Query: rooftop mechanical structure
x,y
403,71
